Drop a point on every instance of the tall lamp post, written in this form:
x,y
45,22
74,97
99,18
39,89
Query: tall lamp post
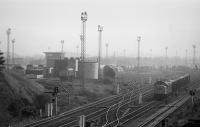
x,y
100,29
62,43
186,55
107,50
138,65
166,48
8,32
13,53
194,54
77,47
138,62
124,52
83,41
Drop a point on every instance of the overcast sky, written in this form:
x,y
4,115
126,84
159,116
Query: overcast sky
x,y
40,25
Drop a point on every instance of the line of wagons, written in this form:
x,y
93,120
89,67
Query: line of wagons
x,y
164,89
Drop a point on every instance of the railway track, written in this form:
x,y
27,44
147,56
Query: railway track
x,y
158,116
168,109
102,113
133,114
142,110
72,115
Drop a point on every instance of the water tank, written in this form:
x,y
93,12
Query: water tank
x,y
90,69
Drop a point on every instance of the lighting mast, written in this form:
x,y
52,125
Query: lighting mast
x,y
62,43
83,41
8,32
138,64
13,53
77,47
100,29
107,50
186,55
194,53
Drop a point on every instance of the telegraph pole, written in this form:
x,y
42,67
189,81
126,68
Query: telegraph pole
x,y
8,32
194,54
83,41
13,53
107,50
100,29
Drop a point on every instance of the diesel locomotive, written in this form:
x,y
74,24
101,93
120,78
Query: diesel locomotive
x,y
163,89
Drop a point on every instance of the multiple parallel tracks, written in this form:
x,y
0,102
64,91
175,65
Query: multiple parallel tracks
x,y
91,111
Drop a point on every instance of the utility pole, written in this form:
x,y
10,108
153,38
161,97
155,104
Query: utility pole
x,y
8,32
107,50
13,53
62,43
83,41
194,54
100,29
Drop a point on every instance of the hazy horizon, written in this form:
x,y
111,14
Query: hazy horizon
x,y
40,25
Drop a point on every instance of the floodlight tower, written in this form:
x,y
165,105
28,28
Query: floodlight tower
x,y
186,55
8,32
107,50
138,39
77,47
124,52
62,43
13,53
166,48
150,53
100,29
83,41
138,64
194,53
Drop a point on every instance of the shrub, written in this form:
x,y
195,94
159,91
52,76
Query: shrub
x,y
41,100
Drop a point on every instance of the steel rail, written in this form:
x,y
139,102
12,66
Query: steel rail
x,y
166,111
98,114
76,110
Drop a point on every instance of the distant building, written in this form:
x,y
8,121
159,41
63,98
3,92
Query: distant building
x,y
66,68
52,56
35,71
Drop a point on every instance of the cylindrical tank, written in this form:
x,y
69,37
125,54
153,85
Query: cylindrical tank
x,y
90,69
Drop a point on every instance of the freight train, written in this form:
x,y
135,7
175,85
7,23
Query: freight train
x,y
164,89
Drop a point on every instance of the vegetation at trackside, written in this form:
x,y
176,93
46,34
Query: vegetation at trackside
x,y
19,98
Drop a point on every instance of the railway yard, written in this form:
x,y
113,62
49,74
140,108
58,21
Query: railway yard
x,y
125,110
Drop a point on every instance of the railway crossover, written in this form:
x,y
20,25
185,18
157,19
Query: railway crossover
x,y
71,116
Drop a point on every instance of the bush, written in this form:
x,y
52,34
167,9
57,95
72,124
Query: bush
x,y
41,100
28,111
14,107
